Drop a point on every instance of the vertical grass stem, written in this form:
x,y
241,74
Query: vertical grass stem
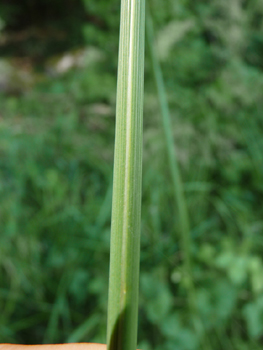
x,y
126,203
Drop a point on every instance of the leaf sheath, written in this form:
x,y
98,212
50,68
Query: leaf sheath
x,y
126,205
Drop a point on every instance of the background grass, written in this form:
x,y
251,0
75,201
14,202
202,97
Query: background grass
x,y
56,156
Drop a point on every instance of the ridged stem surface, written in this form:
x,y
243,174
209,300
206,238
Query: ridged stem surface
x,y
126,203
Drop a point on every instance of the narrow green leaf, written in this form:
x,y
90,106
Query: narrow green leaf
x,y
178,185
126,211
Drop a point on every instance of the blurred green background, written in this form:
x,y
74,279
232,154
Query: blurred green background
x,y
58,69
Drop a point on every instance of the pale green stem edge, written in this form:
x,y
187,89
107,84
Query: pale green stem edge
x,y
127,182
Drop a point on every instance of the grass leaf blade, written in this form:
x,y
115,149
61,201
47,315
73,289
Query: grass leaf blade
x,y
126,212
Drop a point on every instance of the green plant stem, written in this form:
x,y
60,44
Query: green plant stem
x,y
126,205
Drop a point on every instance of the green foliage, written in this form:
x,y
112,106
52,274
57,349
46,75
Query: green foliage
x,y
56,153
122,325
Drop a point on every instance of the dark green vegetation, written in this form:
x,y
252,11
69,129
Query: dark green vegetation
x,y
56,154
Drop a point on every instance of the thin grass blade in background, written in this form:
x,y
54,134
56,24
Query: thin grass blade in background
x,y
178,186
